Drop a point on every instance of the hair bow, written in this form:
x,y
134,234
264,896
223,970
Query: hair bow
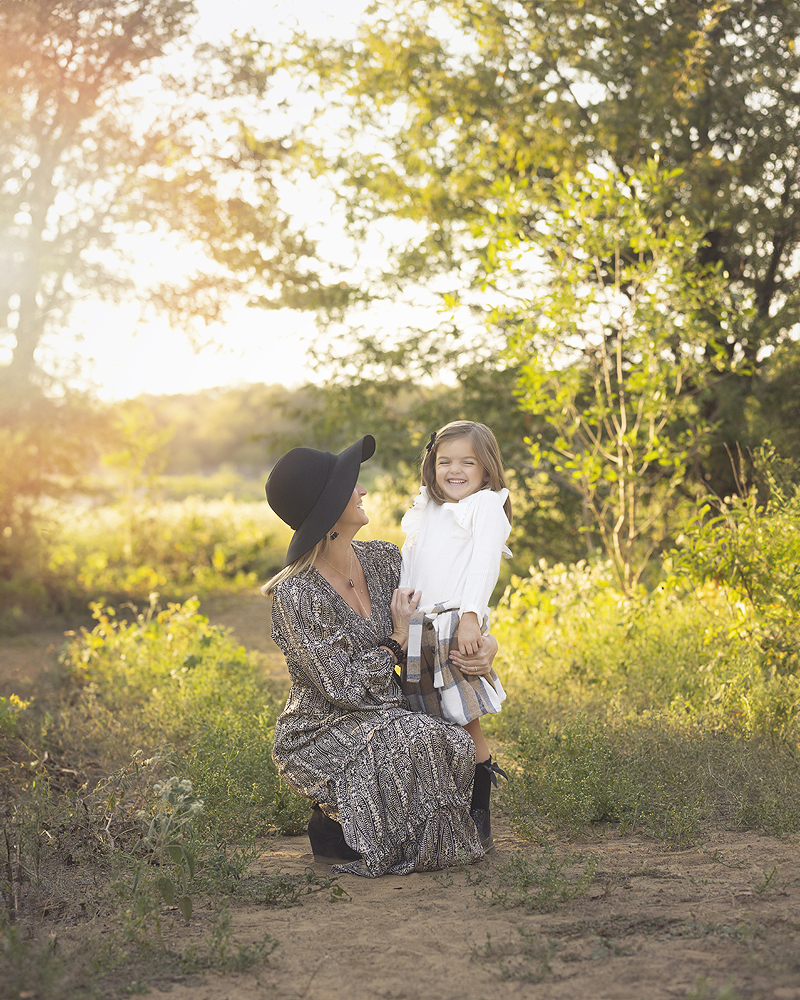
x,y
430,444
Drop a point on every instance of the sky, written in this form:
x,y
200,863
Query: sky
x,y
116,356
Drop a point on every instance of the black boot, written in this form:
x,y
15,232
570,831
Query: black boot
x,y
485,776
327,839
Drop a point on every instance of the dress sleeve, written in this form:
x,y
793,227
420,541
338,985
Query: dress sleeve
x,y
320,652
490,529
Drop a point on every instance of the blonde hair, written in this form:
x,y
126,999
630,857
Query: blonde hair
x,y
299,567
487,452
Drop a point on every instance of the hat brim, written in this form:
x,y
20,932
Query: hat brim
x,y
333,499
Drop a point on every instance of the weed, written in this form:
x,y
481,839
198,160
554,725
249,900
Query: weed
x,y
539,881
702,991
523,959
769,881
284,889
10,710
32,968
221,953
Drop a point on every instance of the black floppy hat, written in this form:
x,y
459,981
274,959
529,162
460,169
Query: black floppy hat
x,y
310,489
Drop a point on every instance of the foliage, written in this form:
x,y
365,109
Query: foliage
x,y
10,711
654,775
448,105
754,547
45,446
662,712
102,140
128,551
169,838
187,684
539,881
615,351
679,649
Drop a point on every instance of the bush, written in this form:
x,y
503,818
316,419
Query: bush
x,y
663,712
572,644
168,677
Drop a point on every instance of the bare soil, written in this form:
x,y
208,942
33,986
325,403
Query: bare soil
x,y
720,920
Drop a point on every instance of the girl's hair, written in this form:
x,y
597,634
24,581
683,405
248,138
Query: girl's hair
x,y
486,451
299,567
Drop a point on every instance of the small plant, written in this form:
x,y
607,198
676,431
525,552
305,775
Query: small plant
x,y
222,954
702,991
169,838
523,959
539,881
284,889
11,709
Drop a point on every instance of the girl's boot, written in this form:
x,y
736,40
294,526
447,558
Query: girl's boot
x,y
485,776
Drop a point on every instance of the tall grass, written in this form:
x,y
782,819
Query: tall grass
x,y
124,552
658,713
167,678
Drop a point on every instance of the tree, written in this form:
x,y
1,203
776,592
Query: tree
x,y
617,359
449,99
96,148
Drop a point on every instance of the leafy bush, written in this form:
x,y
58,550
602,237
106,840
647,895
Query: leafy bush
x,y
665,712
169,677
755,549
571,643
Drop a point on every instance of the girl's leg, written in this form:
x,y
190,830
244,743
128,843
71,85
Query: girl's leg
x,y
481,746
485,777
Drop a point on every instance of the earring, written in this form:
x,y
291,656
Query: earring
x,y
334,534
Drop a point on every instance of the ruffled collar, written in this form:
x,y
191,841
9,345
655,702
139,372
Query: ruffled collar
x,y
462,513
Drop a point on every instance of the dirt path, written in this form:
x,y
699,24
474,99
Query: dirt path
x,y
720,921
654,925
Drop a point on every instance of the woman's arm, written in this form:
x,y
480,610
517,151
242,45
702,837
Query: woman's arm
x,y
318,648
480,663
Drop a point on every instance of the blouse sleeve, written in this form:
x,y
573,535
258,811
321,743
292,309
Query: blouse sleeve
x,y
490,529
319,650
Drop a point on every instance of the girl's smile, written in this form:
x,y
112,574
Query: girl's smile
x,y
459,474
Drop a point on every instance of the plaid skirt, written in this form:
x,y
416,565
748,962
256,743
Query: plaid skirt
x,y
434,685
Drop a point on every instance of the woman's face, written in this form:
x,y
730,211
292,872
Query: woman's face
x,y
354,515
459,474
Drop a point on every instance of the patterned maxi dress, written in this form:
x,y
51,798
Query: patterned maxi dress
x,y
399,783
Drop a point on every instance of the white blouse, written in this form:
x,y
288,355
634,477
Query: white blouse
x,y
452,551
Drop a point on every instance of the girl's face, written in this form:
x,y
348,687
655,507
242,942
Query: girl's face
x,y
459,474
354,515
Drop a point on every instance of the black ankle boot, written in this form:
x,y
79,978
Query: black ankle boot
x,y
485,776
327,839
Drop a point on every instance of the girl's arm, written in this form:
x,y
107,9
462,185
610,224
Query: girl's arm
x,y
490,529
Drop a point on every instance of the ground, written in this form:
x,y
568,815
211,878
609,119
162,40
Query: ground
x,y
719,920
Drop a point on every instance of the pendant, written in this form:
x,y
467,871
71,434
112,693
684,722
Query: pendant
x,y
351,583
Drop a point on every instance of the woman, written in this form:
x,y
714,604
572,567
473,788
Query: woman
x,y
398,783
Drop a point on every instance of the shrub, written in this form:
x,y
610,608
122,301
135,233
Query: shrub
x,y
170,677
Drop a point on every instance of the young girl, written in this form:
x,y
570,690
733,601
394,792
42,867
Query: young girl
x,y
455,537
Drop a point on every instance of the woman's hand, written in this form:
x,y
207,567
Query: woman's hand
x,y
478,664
405,601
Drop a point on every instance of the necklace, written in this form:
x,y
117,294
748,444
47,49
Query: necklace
x,y
349,579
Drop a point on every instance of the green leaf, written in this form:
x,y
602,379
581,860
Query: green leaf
x,y
176,852
167,889
185,906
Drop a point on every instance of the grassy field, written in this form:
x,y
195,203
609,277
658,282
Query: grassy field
x,y
670,713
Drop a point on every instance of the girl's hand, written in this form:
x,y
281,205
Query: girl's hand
x,y
470,639
479,664
405,601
